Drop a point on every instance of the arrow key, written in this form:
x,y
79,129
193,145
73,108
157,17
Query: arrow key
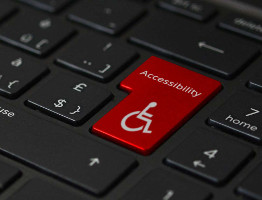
x,y
216,160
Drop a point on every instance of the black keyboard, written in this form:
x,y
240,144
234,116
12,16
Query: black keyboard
x,y
130,100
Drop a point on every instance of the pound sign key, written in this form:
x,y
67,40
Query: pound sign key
x,y
80,87
60,103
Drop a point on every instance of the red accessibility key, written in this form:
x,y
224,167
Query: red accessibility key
x,y
163,96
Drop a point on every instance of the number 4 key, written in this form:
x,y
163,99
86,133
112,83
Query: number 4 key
x,y
211,154
216,165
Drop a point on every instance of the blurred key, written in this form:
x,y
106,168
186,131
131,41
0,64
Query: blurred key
x,y
255,81
254,3
48,5
8,174
37,34
242,25
5,10
110,16
162,185
18,72
39,190
195,9
251,186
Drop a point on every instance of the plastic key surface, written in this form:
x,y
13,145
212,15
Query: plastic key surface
x,y
47,5
242,25
195,9
41,190
251,186
162,185
8,174
110,16
35,32
5,10
254,3
163,97
18,72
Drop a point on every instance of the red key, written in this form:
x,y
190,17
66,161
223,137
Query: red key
x,y
163,96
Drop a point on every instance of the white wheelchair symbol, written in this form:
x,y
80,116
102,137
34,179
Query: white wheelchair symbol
x,y
142,115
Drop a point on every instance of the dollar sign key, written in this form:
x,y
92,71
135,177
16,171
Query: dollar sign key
x,y
60,103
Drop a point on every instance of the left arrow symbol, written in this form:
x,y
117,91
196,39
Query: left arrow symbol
x,y
94,161
205,45
198,163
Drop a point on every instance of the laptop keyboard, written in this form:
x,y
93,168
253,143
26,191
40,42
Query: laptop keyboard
x,y
130,100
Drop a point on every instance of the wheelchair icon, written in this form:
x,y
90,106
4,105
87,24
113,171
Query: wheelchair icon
x,y
142,115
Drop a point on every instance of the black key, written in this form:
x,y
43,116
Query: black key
x,y
35,32
210,50
243,25
110,16
195,9
255,3
215,160
61,153
18,72
232,198
241,114
251,186
40,190
255,81
162,185
8,174
69,98
95,55
48,5
5,10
